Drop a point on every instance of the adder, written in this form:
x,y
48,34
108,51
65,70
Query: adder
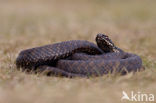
x,y
79,58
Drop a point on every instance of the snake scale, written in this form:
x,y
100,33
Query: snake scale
x,y
79,58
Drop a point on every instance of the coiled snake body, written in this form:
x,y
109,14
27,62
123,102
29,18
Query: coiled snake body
x,y
79,58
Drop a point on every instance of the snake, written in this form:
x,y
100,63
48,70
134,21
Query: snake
x,y
79,58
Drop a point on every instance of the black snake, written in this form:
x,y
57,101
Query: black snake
x,y
79,58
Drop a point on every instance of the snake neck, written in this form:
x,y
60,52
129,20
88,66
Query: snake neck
x,y
116,49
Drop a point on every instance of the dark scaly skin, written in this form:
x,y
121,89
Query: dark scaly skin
x,y
66,58
101,66
48,70
49,54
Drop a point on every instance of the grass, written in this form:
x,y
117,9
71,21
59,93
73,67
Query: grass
x,y
29,23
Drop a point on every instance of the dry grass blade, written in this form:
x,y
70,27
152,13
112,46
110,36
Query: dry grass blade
x,y
30,23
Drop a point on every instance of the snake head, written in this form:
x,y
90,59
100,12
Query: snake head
x,y
105,43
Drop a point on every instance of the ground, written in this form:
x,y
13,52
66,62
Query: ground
x,y
30,23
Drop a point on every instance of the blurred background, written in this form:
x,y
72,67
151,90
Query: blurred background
x,y
24,24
